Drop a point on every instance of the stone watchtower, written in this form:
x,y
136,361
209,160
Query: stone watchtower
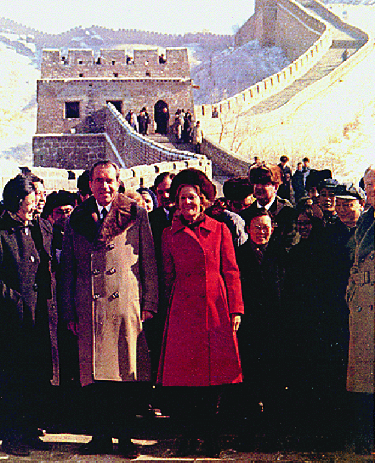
x,y
74,90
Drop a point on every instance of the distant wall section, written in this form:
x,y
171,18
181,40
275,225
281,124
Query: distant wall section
x,y
283,23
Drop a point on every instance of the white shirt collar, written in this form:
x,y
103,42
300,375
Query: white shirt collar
x,y
100,208
267,206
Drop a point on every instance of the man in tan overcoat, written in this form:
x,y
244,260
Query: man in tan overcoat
x,y
110,287
360,296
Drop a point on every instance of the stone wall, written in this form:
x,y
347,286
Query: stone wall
x,y
295,30
228,162
70,151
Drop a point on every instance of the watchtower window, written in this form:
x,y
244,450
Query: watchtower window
x,y
80,61
98,61
117,104
148,74
113,63
115,74
72,110
81,75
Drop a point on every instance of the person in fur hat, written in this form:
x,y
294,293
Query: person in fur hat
x,y
199,351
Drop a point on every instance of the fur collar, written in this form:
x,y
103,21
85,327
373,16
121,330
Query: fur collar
x,y
85,219
122,215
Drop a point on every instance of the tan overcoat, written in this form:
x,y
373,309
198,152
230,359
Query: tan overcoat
x,y
109,277
360,297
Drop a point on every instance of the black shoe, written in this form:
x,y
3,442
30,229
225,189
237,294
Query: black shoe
x,y
127,449
15,447
211,448
97,446
187,447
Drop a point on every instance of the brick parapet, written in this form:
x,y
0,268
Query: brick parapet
x,y
114,64
227,161
134,148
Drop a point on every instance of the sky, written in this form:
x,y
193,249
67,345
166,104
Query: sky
x,y
167,16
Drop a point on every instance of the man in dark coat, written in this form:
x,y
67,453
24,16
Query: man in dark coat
x,y
298,183
109,287
143,121
160,218
265,181
286,175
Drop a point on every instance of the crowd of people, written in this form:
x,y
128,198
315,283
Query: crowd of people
x,y
252,312
183,127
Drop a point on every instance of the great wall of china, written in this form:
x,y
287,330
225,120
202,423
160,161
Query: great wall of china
x,y
322,37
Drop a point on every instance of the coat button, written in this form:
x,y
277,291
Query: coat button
x,y
115,295
111,271
35,286
359,309
96,297
32,258
110,246
95,271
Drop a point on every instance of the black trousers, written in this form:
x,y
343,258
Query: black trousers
x,y
111,407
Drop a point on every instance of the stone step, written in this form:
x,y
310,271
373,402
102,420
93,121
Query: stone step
x,y
170,141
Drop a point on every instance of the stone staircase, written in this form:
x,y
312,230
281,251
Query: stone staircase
x,y
170,141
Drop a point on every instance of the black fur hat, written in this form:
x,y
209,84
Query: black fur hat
x,y
193,177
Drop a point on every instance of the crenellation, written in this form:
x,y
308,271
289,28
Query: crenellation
x,y
114,64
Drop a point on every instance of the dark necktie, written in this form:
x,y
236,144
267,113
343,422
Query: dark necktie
x,y
104,213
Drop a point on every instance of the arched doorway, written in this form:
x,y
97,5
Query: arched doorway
x,y
161,114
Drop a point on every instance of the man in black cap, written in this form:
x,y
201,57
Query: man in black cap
x,y
350,202
265,181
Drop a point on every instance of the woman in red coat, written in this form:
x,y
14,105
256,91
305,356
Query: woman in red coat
x,y
199,352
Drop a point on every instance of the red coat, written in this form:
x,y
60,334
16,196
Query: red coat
x,y
202,279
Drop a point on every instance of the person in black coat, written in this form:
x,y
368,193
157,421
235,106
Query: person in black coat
x,y
28,318
264,339
265,181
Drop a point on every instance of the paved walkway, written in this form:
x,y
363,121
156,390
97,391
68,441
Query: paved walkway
x,y
65,448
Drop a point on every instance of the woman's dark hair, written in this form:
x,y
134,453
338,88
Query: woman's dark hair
x,y
15,191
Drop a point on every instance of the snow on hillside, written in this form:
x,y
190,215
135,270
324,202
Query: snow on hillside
x,y
222,74
18,78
